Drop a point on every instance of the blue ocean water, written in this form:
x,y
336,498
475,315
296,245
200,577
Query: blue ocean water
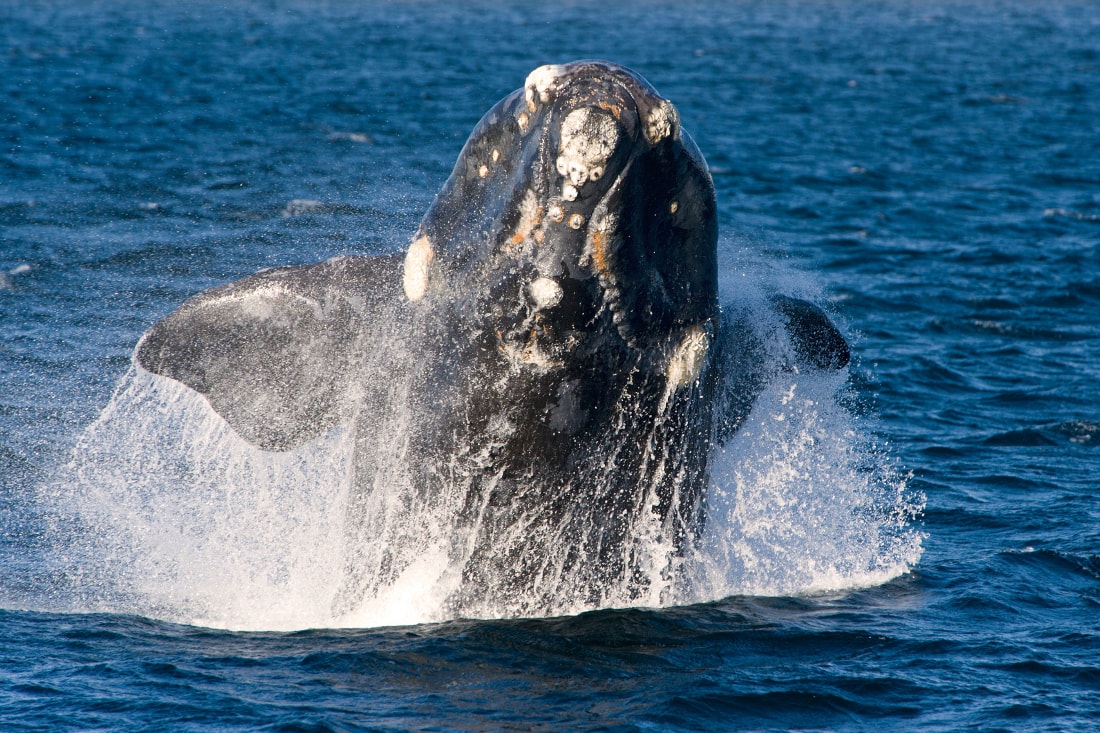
x,y
931,169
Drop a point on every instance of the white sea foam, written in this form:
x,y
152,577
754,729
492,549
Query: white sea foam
x,y
179,518
801,501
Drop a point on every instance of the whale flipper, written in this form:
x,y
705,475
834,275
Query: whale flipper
x,y
275,353
744,368
816,341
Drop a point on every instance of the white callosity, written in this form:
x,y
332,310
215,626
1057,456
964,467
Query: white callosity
x,y
545,293
588,138
540,83
687,360
418,262
661,122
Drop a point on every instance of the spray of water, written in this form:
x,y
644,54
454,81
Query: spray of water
x,y
164,511
802,502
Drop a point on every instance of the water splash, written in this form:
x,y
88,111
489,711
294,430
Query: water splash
x,y
164,511
802,501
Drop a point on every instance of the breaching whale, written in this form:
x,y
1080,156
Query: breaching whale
x,y
548,365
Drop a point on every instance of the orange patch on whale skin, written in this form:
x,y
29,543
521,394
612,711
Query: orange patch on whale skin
x,y
525,230
599,253
615,110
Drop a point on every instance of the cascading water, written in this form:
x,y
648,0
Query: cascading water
x,y
164,511
802,499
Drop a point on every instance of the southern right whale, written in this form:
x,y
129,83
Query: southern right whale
x,y
547,368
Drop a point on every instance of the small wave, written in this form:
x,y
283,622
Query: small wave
x,y
298,207
1006,329
1079,432
227,185
994,99
7,281
1069,214
351,136
355,137
312,207
1054,561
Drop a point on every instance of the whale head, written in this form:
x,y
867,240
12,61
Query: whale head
x,y
579,218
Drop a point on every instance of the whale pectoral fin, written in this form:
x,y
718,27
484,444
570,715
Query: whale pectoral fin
x,y
745,366
816,341
275,353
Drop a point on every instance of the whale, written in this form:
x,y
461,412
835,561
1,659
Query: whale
x,y
539,381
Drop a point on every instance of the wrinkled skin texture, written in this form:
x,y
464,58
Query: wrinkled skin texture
x,y
549,362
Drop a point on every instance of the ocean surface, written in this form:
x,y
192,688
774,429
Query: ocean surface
x,y
927,171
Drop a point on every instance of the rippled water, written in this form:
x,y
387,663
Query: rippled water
x,y
932,168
